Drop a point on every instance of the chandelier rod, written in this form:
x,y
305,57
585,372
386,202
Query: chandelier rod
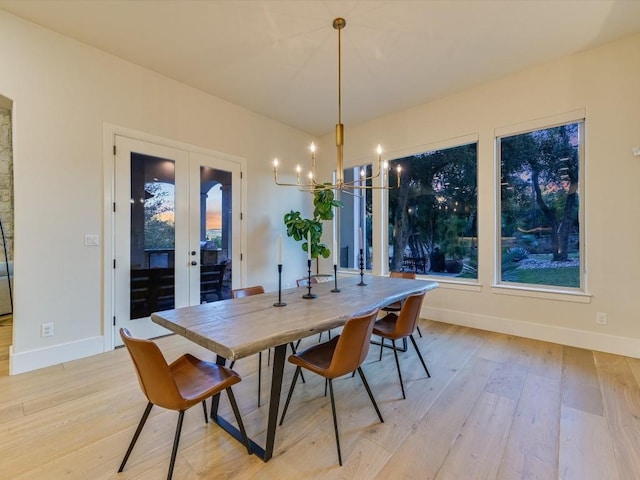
x,y
339,24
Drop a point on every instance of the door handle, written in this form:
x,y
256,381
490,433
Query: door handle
x,y
193,252
194,263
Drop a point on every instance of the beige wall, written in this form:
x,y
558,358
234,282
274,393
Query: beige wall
x,y
63,94
605,83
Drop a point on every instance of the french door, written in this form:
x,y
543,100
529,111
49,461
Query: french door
x,y
176,232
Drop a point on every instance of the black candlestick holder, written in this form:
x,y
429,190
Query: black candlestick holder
x,y
335,278
280,302
309,295
361,284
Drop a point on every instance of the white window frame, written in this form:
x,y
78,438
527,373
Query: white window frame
x,y
538,290
471,284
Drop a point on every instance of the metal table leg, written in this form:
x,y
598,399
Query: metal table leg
x,y
274,404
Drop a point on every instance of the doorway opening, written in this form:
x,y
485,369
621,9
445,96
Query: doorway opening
x,y
6,233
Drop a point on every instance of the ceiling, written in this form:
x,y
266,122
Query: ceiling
x,y
279,58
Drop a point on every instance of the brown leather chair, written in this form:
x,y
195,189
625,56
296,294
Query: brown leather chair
x,y
395,327
247,292
340,355
177,386
397,306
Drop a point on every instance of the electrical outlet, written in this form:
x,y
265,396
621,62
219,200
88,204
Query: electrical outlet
x,y
92,240
601,318
46,330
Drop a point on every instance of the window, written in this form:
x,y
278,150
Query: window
x,y
433,214
539,204
355,217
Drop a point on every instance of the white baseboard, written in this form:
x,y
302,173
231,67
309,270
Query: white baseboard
x,y
45,357
626,346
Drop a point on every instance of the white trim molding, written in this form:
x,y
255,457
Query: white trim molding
x,y
602,342
45,357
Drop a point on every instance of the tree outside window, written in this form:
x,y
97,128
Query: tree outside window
x,y
540,207
159,224
433,214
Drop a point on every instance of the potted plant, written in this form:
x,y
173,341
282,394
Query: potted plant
x,y
298,228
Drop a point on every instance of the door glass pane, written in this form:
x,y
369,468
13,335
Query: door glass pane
x,y
152,284
215,234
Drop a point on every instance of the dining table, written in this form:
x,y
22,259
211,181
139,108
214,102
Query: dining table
x,y
237,328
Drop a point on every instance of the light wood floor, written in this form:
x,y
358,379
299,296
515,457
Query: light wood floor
x,y
497,406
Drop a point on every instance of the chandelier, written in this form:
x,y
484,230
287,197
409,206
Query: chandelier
x,y
311,183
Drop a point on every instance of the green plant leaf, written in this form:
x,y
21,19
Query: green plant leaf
x,y
298,228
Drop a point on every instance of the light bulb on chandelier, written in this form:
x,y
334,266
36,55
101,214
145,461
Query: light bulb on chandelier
x,y
312,184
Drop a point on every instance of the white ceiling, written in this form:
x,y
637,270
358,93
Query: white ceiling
x,y
279,57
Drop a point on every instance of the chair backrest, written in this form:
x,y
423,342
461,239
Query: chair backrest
x,y
409,275
247,291
408,316
353,345
154,375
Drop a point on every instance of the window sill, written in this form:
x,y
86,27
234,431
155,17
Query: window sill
x,y
547,294
450,283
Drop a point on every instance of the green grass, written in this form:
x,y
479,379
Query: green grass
x,y
561,276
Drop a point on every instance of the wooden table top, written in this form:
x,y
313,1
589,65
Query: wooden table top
x,y
241,327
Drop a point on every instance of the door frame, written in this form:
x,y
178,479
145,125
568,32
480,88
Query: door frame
x,y
108,230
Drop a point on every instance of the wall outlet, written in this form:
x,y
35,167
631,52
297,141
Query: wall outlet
x,y
602,318
46,330
92,240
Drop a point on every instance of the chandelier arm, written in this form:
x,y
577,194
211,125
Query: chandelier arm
x,y
345,188
362,179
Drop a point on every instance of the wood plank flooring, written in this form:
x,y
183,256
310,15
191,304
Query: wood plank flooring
x,y
496,407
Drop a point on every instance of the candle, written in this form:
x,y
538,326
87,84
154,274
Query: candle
x,y
360,232
309,245
280,250
335,252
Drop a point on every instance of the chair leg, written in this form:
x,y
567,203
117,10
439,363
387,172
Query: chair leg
x,y
381,345
293,385
145,415
415,345
335,421
419,332
236,413
232,364
259,376
395,353
293,349
176,441
204,407
366,385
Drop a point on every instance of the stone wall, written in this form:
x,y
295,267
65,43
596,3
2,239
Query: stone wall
x,y
6,180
